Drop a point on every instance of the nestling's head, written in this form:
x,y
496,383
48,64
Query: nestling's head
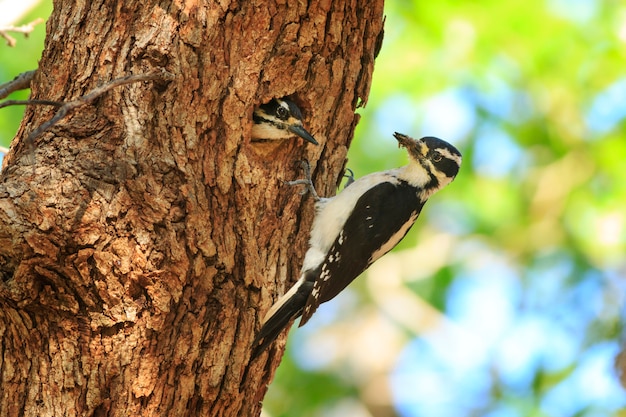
x,y
279,119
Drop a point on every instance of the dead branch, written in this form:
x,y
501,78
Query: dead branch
x,y
69,106
8,103
21,82
25,29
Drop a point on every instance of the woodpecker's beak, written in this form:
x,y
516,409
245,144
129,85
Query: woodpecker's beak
x,y
403,140
301,131
415,147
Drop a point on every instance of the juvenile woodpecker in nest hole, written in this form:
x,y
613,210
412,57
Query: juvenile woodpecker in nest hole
x,y
358,226
279,119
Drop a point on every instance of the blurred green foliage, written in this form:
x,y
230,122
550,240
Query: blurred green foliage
x,y
13,61
534,94
506,299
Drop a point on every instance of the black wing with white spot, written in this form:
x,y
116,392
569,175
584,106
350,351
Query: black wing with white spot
x,y
381,218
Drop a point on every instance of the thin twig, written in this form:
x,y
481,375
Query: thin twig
x,y
4,150
92,95
10,39
25,29
21,82
8,103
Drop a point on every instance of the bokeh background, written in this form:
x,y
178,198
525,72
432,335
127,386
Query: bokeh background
x,y
507,297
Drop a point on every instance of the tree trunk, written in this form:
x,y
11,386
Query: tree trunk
x,y
143,237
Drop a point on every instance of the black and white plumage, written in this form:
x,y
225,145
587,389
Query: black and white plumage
x,y
358,226
281,118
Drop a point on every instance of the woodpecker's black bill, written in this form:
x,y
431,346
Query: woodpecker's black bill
x,y
404,140
301,131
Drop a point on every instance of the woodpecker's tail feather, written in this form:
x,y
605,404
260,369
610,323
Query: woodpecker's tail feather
x,y
287,308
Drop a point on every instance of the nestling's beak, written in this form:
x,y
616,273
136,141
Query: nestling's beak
x,y
301,131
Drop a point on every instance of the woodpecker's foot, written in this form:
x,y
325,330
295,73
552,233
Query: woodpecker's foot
x,y
306,181
349,176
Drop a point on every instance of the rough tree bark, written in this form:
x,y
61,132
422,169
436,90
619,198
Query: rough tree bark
x,y
144,236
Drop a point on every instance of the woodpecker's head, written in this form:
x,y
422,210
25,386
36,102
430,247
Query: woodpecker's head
x,y
279,119
437,157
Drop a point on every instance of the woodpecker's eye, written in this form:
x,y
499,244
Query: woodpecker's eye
x,y
436,156
282,113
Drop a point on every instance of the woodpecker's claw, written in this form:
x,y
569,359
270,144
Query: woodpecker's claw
x,y
349,176
306,181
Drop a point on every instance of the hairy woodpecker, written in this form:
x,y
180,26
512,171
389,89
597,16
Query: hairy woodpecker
x,y
279,119
358,226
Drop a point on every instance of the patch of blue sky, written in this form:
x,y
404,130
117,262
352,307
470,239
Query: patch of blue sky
x,y
532,343
397,114
499,99
547,274
607,109
427,383
593,385
587,296
572,303
517,337
496,154
503,410
484,301
577,11
449,115
445,374
615,280
449,217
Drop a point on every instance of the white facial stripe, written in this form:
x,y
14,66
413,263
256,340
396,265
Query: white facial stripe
x,y
292,121
284,105
273,119
264,115
446,152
